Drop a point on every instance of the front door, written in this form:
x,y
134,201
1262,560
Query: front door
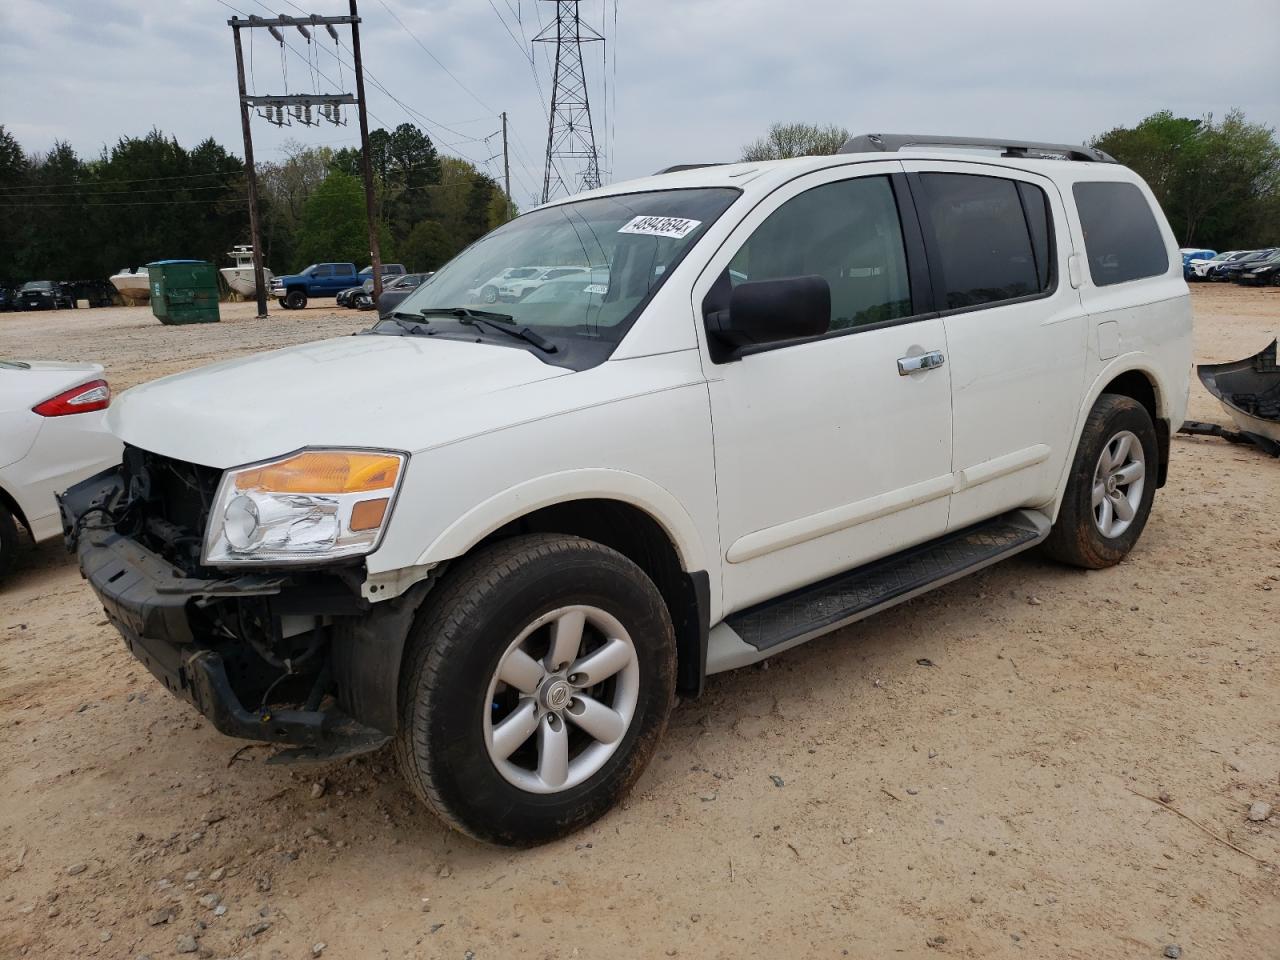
x,y
829,451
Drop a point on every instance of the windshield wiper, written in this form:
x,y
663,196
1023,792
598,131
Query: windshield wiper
x,y
405,321
502,322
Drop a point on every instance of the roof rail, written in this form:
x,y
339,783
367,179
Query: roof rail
x,y
893,142
688,166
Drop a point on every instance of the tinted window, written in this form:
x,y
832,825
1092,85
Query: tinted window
x,y
1121,237
1035,205
846,232
324,270
982,244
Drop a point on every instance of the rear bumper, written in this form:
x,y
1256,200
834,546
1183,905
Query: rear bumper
x,y
157,610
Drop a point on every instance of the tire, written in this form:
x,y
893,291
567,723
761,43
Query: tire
x,y
1097,534
489,293
8,541
452,701
295,300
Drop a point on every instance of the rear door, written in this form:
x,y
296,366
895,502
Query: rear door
x,y
998,243
828,452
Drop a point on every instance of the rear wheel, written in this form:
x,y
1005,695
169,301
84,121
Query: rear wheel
x,y
1111,486
536,685
295,300
8,541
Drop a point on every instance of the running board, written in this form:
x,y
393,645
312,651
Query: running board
x,y
789,620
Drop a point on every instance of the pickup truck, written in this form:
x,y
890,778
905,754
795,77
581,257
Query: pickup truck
x,y
317,280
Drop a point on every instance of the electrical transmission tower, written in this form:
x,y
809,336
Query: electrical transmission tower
x,y
569,132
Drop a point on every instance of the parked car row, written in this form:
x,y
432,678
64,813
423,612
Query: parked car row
x,y
515,283
1250,267
38,295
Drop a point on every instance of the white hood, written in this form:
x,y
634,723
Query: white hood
x,y
361,391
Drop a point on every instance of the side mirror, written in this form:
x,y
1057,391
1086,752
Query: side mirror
x,y
767,311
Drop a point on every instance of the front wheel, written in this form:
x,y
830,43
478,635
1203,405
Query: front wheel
x,y
295,300
1111,486
537,682
489,293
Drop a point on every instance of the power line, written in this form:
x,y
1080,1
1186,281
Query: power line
x,y
126,203
437,60
76,183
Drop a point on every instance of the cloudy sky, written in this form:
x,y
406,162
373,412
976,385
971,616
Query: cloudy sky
x,y
687,79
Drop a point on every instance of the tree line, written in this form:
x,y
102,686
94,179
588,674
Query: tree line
x,y
1217,180
67,217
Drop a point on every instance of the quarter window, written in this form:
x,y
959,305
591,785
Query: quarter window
x,y
990,238
1121,236
849,234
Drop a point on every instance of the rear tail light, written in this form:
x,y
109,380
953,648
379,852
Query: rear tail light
x,y
94,395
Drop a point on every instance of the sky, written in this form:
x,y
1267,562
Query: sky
x,y
677,81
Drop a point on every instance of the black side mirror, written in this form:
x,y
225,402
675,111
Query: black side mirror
x,y
766,311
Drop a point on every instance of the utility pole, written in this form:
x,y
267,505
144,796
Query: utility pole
x,y
375,250
284,110
255,227
506,165
569,131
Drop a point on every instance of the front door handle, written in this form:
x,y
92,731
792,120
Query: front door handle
x,y
925,361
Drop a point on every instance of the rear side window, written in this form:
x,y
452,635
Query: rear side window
x,y
990,238
1121,236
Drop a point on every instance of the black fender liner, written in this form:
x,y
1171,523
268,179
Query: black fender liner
x,y
367,653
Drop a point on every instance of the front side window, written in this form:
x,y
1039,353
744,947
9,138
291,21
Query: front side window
x,y
846,232
593,264
1121,237
980,234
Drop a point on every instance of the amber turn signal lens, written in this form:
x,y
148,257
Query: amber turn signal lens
x,y
325,472
368,514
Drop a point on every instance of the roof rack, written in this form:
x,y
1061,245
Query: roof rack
x,y
688,166
893,142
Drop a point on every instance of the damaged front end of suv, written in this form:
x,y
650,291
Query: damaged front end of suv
x,y
240,590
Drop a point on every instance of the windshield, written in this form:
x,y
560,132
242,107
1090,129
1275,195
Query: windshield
x,y
38,285
585,269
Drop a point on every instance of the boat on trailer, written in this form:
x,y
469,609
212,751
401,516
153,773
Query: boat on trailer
x,y
133,284
240,277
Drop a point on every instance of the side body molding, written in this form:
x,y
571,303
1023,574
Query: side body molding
x,y
588,484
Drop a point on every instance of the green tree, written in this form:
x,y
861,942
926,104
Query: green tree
x,y
1218,181
785,140
333,225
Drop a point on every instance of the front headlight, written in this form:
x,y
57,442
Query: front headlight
x,y
309,507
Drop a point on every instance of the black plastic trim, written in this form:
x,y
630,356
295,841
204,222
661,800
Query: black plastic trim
x,y
691,659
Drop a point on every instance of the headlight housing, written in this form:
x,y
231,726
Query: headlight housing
x,y
309,507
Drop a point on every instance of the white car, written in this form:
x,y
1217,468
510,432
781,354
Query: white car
x,y
520,287
504,541
51,436
489,290
1200,268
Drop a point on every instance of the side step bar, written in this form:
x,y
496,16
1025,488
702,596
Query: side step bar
x,y
781,623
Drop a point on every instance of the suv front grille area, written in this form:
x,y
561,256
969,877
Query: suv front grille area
x,y
169,503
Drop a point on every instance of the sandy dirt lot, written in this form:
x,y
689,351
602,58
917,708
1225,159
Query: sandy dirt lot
x,y
984,806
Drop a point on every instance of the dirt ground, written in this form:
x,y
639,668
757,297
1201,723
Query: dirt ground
x,y
984,806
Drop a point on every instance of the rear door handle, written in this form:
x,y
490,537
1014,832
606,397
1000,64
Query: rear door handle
x,y
925,361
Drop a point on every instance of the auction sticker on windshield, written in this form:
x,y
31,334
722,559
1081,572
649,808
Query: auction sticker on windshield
x,y
675,227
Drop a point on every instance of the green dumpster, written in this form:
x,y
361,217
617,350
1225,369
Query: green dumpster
x,y
184,291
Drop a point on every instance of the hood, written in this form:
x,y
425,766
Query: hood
x,y
359,391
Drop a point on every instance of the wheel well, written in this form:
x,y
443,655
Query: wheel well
x,y
9,503
1137,386
643,541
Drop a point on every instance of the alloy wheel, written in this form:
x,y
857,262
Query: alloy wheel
x,y
562,699
1118,481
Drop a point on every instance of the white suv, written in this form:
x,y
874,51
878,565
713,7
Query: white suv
x,y
809,389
